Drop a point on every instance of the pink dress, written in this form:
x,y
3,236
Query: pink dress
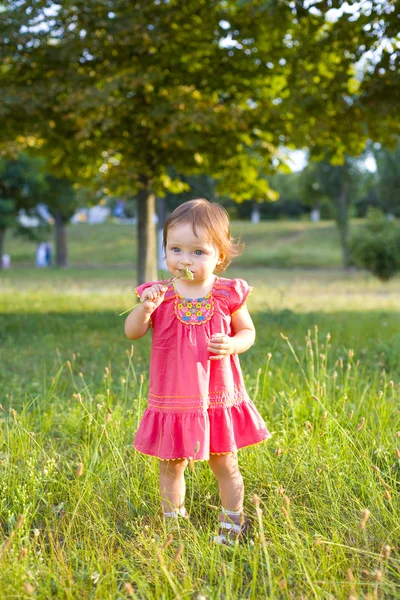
x,y
196,407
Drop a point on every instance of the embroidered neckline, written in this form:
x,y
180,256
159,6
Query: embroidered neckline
x,y
194,311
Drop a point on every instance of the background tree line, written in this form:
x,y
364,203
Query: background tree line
x,y
123,96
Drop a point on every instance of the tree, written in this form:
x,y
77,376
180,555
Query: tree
x,y
62,201
387,163
21,188
214,87
342,184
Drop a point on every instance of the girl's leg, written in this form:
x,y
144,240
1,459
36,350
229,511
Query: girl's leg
x,y
172,484
232,521
226,470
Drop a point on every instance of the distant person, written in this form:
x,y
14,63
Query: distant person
x,y
198,407
41,260
48,255
6,261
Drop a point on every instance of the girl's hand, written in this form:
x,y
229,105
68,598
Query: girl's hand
x,y
153,296
221,345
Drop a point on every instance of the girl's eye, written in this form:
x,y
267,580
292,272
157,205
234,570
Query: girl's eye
x,y
175,249
199,252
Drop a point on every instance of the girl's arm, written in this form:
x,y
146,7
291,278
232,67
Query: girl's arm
x,y
242,339
137,323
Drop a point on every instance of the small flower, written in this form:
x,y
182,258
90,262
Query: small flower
x,y
208,306
180,305
188,314
199,313
189,305
198,304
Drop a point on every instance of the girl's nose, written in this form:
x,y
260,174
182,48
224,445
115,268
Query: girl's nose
x,y
186,261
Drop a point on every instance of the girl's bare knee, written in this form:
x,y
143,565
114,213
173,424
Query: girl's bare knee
x,y
173,468
224,464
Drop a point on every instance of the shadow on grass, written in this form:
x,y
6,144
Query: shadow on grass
x,y
34,346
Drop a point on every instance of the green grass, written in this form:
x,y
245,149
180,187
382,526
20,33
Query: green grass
x,y
65,365
277,244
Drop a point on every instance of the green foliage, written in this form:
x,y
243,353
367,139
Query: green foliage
x,y
376,246
387,162
21,187
201,87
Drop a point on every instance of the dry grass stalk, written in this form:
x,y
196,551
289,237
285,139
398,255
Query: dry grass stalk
x,y
361,424
318,542
29,589
285,512
23,553
397,453
365,515
168,541
387,551
6,544
256,500
178,553
388,495
19,522
351,414
79,470
129,589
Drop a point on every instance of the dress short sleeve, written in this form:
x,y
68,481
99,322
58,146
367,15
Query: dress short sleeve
x,y
139,291
240,291
143,286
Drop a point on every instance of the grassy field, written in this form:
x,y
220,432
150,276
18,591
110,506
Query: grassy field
x,y
324,372
277,244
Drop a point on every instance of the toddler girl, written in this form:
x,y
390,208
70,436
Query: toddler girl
x,y
198,408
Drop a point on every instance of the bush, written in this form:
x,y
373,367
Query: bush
x,y
376,246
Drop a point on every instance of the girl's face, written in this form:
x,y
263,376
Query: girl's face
x,y
184,249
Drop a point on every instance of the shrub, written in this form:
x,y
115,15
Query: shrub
x,y
376,246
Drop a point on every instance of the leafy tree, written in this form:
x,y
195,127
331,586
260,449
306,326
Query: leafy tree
x,y
342,185
132,90
388,163
21,188
62,200
375,246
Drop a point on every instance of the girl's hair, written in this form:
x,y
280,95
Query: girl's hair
x,y
211,218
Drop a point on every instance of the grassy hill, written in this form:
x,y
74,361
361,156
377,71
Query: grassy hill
x,y
274,244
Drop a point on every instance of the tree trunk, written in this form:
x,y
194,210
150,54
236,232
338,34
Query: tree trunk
x,y
2,238
342,219
162,217
60,240
147,248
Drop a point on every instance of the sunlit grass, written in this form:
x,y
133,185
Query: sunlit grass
x,y
269,243
73,389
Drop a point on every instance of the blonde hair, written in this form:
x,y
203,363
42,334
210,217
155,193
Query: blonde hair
x,y
211,218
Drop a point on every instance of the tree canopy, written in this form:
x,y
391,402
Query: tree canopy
x,y
132,90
